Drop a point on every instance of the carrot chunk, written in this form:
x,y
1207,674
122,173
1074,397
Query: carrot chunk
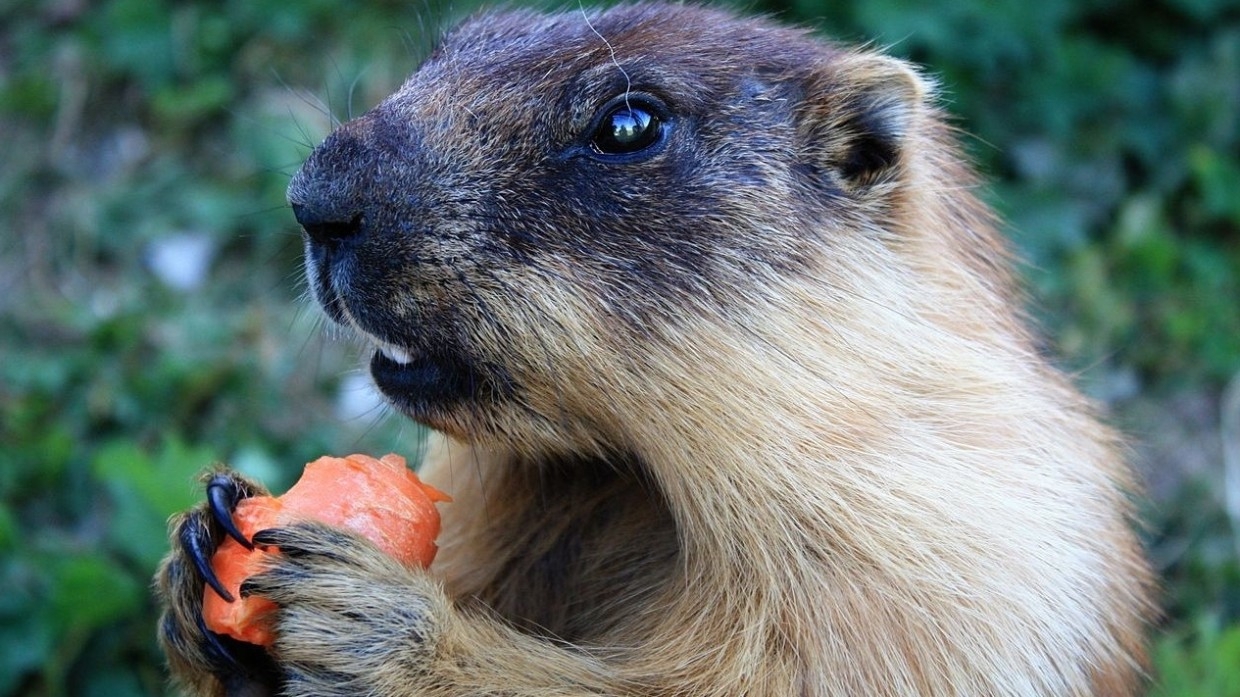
x,y
379,499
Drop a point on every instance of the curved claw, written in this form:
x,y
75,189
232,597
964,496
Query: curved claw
x,y
222,497
218,651
271,537
195,548
244,669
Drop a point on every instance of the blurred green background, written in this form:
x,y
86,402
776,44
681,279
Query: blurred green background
x,y
153,321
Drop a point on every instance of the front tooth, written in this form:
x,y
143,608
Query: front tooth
x,y
398,355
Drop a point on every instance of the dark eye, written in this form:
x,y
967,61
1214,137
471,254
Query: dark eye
x,y
627,128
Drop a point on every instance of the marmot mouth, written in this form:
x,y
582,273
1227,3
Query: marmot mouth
x,y
417,384
395,354
426,385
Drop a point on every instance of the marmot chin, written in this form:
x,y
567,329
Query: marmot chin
x,y
735,391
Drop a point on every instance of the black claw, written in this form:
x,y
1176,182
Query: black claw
x,y
218,651
270,537
251,587
222,497
195,548
244,669
299,541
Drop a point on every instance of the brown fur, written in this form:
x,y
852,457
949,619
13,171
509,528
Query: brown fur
x,y
755,415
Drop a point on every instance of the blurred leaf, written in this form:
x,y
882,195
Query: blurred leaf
x,y
30,96
146,490
25,646
135,36
1143,234
194,101
9,532
1218,179
116,682
89,591
1202,663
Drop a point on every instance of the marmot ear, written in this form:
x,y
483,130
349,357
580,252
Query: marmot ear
x,y
859,113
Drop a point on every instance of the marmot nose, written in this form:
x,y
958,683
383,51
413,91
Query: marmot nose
x,y
329,230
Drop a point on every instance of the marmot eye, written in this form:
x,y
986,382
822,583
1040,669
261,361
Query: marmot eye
x,y
627,128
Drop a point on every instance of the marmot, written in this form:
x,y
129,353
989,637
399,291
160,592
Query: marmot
x,y
736,394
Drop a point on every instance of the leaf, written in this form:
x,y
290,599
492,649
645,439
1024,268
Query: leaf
x,y
89,591
25,630
1218,180
194,102
116,682
146,490
164,481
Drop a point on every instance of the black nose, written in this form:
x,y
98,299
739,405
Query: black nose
x,y
326,229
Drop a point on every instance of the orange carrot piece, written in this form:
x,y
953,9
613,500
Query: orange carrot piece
x,y
379,499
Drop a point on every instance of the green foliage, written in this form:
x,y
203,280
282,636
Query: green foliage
x,y
1203,663
1195,546
131,127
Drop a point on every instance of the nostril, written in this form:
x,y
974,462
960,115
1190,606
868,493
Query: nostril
x,y
327,231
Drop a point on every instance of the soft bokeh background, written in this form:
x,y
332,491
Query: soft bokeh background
x,y
152,318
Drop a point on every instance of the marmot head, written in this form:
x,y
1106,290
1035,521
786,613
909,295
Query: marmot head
x,y
551,204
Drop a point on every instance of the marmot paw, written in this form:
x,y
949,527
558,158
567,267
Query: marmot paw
x,y
348,613
203,661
